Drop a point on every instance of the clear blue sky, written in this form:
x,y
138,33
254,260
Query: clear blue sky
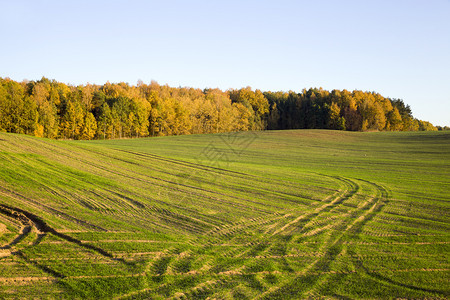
x,y
399,48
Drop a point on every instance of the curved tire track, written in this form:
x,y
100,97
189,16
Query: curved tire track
x,y
29,218
333,247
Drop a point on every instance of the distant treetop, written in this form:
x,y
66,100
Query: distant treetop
x,y
47,108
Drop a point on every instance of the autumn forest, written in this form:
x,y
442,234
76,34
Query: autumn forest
x,y
47,108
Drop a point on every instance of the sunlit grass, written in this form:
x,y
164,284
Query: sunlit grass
x,y
276,214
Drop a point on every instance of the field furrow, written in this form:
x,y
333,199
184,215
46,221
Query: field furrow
x,y
299,214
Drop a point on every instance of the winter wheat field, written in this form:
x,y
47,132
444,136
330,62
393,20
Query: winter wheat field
x,y
255,215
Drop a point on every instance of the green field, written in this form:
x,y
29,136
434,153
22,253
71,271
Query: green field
x,y
265,215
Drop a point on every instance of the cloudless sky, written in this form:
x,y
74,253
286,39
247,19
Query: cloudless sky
x,y
398,48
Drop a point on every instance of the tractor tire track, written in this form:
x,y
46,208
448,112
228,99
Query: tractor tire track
x,y
40,206
333,247
224,172
177,186
377,207
244,252
44,228
351,189
231,172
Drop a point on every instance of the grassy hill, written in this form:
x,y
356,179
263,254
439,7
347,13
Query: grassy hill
x,y
266,215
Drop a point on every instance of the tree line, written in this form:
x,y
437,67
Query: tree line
x,y
47,108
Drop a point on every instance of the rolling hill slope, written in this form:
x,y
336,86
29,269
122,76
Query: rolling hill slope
x,y
267,215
